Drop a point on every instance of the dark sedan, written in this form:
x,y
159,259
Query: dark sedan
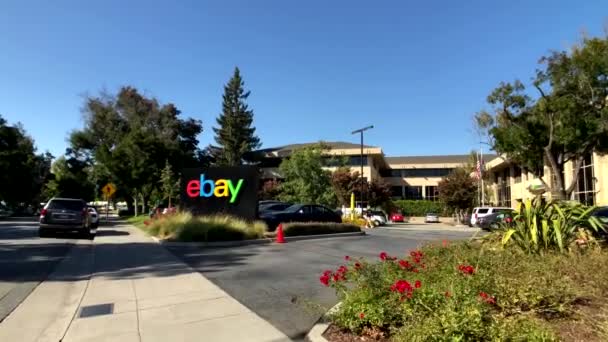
x,y
493,221
275,206
300,213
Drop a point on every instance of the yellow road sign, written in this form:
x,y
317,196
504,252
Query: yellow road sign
x,y
108,189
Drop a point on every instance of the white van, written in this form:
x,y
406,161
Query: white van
x,y
484,211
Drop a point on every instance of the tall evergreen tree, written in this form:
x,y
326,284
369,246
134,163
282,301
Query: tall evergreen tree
x,y
235,134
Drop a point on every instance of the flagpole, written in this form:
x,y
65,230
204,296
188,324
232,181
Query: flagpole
x,y
483,197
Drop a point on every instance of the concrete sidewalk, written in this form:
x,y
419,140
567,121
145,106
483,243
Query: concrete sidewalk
x,y
125,287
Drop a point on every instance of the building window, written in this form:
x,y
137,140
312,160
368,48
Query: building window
x,y
344,160
413,192
436,172
504,188
397,191
517,174
431,193
585,185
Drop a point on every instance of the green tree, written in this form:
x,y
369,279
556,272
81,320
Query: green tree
x,y
169,182
70,179
235,134
22,171
458,191
562,122
305,179
128,138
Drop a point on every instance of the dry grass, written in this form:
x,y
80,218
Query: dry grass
x,y
186,227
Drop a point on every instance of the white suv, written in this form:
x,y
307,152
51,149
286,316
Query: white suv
x,y
484,211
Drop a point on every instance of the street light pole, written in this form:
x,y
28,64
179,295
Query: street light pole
x,y
360,131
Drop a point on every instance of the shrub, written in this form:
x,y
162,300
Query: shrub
x,y
185,227
464,292
420,207
357,221
314,228
542,226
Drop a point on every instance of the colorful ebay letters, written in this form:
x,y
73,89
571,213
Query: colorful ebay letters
x,y
219,188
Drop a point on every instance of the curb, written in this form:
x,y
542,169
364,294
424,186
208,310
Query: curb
x,y
316,332
251,242
452,228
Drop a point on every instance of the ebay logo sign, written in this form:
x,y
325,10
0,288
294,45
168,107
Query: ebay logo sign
x,y
203,187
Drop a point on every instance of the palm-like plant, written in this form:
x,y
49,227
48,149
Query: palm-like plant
x,y
539,226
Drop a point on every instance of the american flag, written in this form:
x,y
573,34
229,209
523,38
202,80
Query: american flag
x,y
479,168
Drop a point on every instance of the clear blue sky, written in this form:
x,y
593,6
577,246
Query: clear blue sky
x,y
417,70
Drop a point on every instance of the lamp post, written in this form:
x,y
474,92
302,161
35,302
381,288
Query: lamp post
x,y
361,130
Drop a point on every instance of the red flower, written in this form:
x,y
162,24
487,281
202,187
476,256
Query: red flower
x,y
342,269
327,272
383,256
361,315
324,280
487,298
404,264
445,243
466,269
357,265
417,256
448,294
415,270
417,284
346,257
337,277
401,286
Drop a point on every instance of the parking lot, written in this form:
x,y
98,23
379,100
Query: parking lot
x,y
280,282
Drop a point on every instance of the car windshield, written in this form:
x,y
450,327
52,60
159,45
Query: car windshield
x,y
66,205
294,208
431,214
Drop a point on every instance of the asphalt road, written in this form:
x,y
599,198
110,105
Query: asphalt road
x,y
25,259
281,282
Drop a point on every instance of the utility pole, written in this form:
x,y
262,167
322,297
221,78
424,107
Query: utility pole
x,y
481,166
360,131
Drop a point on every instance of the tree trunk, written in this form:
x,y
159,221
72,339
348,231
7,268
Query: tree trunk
x,y
135,212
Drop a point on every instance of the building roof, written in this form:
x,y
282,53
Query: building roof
x,y
440,159
330,144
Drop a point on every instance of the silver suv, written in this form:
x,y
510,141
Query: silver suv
x,y
485,211
65,214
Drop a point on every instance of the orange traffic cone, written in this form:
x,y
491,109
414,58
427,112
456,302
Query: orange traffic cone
x,y
280,236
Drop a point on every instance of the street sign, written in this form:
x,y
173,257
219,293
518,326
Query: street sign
x,y
108,190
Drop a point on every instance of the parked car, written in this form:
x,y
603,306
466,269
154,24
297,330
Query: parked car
x,y
300,213
65,214
378,217
431,218
397,217
275,206
94,215
483,211
493,221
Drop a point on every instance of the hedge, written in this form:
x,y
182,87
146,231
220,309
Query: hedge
x,y
315,228
420,207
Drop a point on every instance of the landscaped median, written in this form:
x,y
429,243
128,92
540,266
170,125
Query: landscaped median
x,y
545,278
185,227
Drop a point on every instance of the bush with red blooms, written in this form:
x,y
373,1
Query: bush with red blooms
x,y
438,292
466,269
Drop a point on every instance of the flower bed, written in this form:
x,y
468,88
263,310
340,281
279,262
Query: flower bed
x,y
470,291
